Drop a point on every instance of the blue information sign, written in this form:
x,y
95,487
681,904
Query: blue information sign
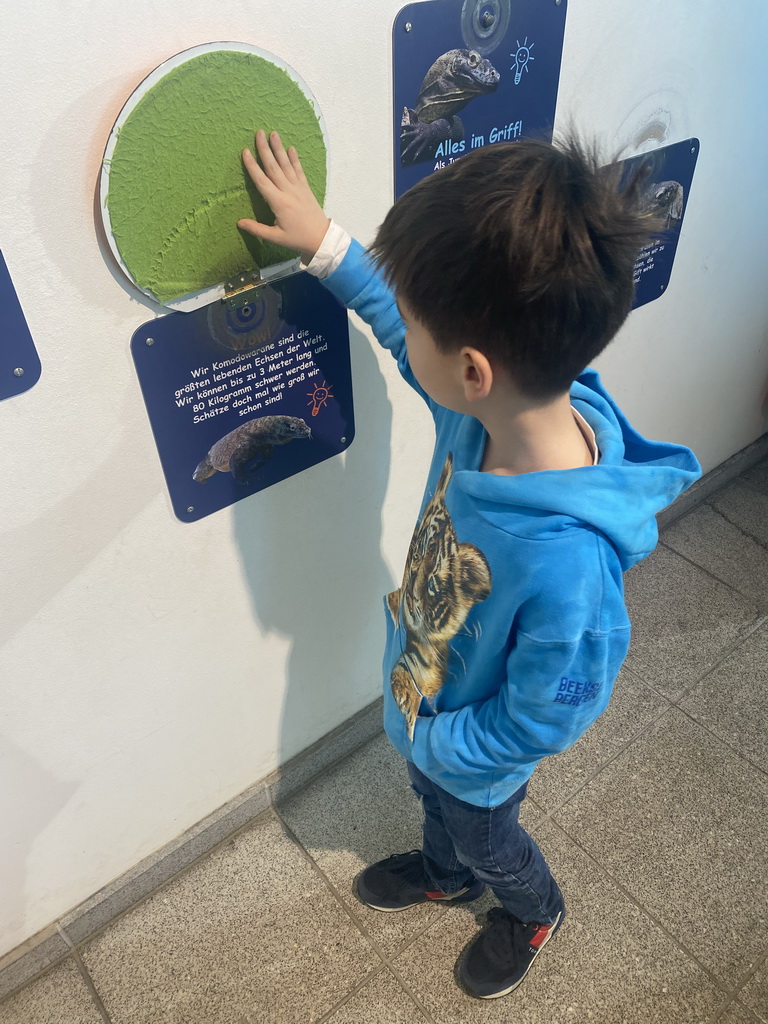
x,y
469,73
19,361
669,174
240,399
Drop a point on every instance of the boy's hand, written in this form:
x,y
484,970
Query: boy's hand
x,y
300,223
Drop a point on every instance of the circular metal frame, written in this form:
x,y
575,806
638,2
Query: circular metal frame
x,y
201,298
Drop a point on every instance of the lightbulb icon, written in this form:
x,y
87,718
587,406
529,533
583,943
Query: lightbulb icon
x,y
319,397
522,57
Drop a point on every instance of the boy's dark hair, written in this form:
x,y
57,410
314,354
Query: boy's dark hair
x,y
524,250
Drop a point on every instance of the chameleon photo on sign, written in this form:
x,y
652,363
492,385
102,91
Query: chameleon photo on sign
x,y
247,381
669,176
469,73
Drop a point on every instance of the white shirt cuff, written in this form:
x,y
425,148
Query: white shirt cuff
x,y
332,251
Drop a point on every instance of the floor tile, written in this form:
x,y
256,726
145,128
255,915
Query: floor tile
x,y
737,1014
757,477
755,992
609,964
360,812
680,821
19,966
682,620
252,929
708,538
732,701
58,997
381,1001
152,872
744,503
632,706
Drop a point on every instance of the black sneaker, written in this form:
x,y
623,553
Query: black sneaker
x,y
400,882
502,954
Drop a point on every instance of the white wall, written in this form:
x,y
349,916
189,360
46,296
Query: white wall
x,y
150,670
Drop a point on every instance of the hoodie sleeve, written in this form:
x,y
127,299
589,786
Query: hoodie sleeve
x,y
551,695
361,286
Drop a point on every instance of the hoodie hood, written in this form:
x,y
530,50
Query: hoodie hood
x,y
620,497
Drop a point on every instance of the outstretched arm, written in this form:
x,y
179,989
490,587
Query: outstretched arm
x,y
300,223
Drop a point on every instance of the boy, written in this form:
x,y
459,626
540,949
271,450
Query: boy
x,y
511,271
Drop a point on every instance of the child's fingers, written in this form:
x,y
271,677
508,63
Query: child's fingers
x,y
278,151
298,170
271,167
259,178
264,231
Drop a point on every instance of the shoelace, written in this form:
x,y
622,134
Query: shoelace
x,y
400,857
506,938
404,863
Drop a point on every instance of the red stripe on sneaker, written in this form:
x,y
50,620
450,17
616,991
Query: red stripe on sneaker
x,y
436,895
540,935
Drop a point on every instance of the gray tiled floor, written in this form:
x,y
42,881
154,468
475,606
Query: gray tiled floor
x,y
655,823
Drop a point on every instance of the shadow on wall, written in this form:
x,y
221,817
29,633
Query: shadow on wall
x,y
316,573
43,556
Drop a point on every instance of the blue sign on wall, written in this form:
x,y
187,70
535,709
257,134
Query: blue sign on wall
x,y
469,73
19,361
669,174
240,399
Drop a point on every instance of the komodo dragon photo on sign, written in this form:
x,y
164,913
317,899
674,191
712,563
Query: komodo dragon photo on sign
x,y
246,448
456,78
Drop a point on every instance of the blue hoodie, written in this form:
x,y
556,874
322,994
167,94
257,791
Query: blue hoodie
x,y
509,629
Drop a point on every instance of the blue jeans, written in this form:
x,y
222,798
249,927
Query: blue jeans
x,y
463,843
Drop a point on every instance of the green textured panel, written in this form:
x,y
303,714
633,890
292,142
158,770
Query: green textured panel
x,y
177,186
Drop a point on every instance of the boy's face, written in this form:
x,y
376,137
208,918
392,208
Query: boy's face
x,y
436,371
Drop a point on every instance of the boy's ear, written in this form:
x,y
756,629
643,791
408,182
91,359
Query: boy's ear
x,y
476,374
